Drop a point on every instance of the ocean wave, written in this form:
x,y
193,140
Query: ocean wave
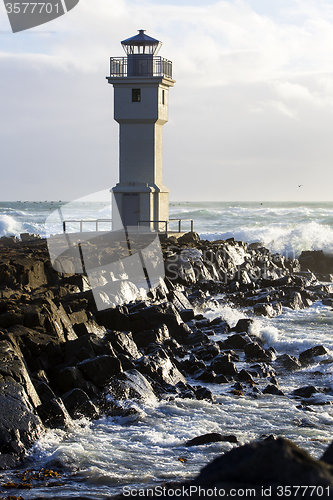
x,y
9,225
288,240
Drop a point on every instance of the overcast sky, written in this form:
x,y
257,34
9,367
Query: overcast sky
x,y
250,117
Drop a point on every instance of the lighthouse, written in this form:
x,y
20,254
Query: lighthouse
x,y
141,82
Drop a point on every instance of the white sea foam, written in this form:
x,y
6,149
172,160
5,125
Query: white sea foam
x,y
288,240
9,225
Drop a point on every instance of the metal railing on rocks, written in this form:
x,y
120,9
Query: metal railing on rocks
x,y
81,222
167,224
142,223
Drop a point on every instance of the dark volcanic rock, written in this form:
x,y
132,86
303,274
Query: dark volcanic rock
x,y
78,404
245,376
272,389
305,392
212,437
242,325
190,237
237,341
204,393
178,268
223,365
306,357
44,391
131,384
19,424
264,310
114,319
54,414
270,462
57,322
101,369
160,368
197,338
156,336
294,301
13,367
89,326
123,342
289,362
255,351
207,351
11,318
328,455
316,261
51,328
72,378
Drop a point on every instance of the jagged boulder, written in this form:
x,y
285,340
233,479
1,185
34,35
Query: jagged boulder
x,y
156,336
306,357
78,404
54,414
72,378
263,464
131,384
316,261
20,425
100,369
328,455
159,367
223,365
122,342
212,437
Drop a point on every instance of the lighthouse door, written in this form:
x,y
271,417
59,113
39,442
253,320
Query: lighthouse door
x,y
131,209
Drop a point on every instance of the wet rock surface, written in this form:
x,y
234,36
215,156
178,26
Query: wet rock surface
x,y
62,359
270,465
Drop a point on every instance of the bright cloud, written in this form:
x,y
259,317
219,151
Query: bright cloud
x,y
254,94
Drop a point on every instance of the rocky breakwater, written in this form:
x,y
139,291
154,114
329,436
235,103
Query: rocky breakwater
x,y
61,358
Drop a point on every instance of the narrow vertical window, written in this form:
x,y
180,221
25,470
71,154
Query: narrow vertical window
x,y
136,95
163,96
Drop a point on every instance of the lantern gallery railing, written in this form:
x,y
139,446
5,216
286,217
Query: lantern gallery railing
x,y
140,65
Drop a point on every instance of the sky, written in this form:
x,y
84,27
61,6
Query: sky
x,y
250,115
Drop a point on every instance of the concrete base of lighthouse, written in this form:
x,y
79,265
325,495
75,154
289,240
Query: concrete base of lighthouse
x,y
138,204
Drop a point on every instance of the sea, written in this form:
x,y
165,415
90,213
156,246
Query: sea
x,y
100,458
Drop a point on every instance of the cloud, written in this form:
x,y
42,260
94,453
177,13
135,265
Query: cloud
x,y
280,107
254,95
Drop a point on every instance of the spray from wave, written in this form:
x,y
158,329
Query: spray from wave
x,y
288,240
9,225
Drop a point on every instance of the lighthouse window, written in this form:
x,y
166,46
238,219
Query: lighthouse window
x,y
136,95
163,96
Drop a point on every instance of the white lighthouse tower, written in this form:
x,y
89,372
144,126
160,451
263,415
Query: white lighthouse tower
x,y
141,82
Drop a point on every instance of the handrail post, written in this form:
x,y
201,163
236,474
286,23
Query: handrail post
x,y
64,226
191,225
81,226
179,225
